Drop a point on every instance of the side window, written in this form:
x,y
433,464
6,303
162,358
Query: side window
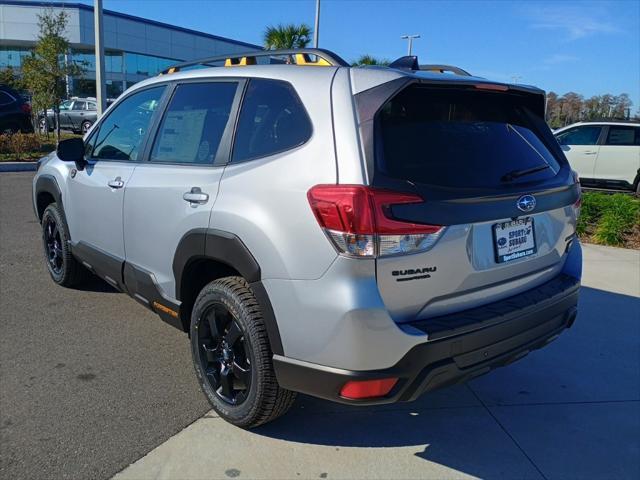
x,y
6,99
194,123
623,136
122,132
79,105
587,135
272,119
91,106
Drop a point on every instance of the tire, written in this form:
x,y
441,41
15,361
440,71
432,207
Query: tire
x,y
86,125
228,335
64,269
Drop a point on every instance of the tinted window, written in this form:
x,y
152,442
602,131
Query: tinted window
x,y
79,105
122,132
194,123
5,98
623,136
461,138
272,119
587,135
91,106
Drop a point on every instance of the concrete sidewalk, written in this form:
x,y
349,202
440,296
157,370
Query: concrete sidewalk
x,y
568,411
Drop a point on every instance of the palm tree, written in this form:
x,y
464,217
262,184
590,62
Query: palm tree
x,y
370,60
287,36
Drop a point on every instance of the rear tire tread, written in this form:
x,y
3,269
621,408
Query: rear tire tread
x,y
273,401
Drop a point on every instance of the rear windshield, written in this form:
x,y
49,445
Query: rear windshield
x,y
461,139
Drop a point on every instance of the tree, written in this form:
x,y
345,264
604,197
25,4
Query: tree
x,y
369,60
9,77
287,36
45,70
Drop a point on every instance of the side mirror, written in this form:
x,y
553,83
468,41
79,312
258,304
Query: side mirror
x,y
72,150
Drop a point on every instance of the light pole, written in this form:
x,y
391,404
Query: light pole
x,y
410,38
316,29
516,78
99,41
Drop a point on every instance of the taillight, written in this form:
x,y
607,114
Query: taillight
x,y
578,202
358,221
26,108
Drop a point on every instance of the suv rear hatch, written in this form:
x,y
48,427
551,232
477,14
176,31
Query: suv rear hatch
x,y
489,171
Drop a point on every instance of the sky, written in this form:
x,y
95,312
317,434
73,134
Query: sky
x,y
589,47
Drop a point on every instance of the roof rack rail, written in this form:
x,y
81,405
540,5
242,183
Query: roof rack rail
x,y
298,56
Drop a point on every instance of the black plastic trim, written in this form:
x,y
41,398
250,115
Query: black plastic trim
x,y
228,249
47,184
218,245
452,359
103,264
143,287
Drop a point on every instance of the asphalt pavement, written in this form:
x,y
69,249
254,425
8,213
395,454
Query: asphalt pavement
x,y
89,379
91,382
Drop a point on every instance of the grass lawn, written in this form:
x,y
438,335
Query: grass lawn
x,y
610,219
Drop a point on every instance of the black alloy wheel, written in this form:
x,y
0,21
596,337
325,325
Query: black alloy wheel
x,y
64,269
232,355
225,356
53,245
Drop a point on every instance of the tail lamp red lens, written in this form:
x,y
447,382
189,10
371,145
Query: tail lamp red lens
x,y
26,108
359,221
358,390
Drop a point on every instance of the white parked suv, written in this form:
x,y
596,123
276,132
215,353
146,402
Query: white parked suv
x,y
605,154
363,235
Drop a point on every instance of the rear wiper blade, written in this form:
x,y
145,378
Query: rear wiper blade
x,y
512,175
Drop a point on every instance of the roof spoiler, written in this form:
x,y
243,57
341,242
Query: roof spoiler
x,y
410,62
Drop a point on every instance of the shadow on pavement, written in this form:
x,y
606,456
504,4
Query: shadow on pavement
x,y
96,284
594,362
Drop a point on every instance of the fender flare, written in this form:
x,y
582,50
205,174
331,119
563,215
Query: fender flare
x,y
47,184
228,249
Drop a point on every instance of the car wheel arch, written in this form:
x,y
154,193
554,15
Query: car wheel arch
x,y
206,254
47,192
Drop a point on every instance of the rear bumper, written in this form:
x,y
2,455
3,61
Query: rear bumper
x,y
461,346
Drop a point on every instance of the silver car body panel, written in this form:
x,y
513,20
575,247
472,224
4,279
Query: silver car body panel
x,y
331,310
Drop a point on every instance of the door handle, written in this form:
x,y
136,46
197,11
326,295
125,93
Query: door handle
x,y
196,196
117,183
590,153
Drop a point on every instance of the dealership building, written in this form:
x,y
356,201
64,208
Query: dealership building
x,y
135,48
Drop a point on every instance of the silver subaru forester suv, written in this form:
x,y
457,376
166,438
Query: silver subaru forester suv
x,y
363,235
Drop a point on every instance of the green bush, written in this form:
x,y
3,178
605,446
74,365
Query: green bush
x,y
608,218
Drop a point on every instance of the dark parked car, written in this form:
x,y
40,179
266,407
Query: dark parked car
x,y
77,115
15,112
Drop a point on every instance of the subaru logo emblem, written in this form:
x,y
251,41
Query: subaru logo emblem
x,y
526,203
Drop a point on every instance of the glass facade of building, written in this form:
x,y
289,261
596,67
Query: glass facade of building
x,y
122,69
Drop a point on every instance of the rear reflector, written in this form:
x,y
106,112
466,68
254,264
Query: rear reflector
x,y
359,221
367,388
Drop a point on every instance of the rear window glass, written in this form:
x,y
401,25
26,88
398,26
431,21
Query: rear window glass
x,y
461,139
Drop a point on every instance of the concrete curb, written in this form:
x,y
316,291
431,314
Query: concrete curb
x,y
18,166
